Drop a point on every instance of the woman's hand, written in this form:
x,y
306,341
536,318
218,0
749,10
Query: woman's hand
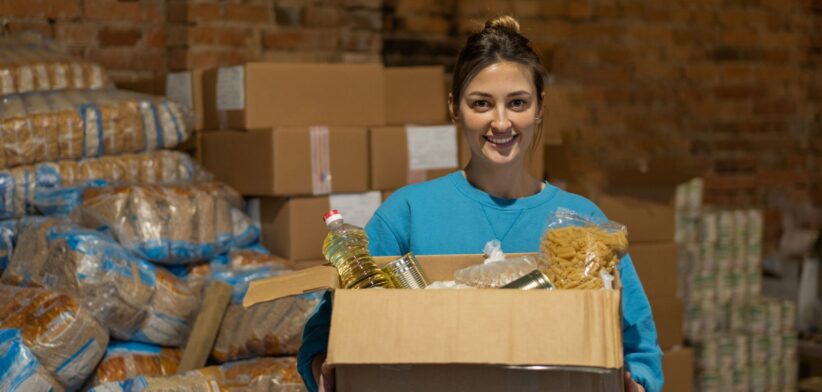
x,y
631,385
323,374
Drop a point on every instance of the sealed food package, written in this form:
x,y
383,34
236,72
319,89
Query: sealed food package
x,y
246,232
19,368
131,297
255,375
581,252
497,270
125,360
61,333
28,65
164,224
271,328
74,124
8,237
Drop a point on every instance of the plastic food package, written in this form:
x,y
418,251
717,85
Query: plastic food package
x,y
73,124
125,360
164,224
8,237
26,65
254,375
246,232
496,271
61,333
271,328
19,368
578,250
41,187
132,298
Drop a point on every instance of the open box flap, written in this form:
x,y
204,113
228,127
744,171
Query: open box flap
x,y
297,282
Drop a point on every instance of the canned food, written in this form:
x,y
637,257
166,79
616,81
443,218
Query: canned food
x,y
789,346
530,281
775,346
405,272
727,350
741,380
725,380
737,317
757,317
775,376
741,226
723,286
741,349
754,282
738,283
760,344
696,189
707,355
758,377
755,225
788,315
726,227
790,374
707,381
774,310
708,227
707,257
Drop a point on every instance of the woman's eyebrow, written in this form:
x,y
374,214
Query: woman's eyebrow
x,y
520,92
484,94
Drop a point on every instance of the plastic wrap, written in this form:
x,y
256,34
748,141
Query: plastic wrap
x,y
246,232
164,224
19,368
577,249
26,65
43,187
496,271
131,297
61,333
255,375
125,360
73,124
8,237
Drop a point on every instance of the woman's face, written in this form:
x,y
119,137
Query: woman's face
x,y
498,111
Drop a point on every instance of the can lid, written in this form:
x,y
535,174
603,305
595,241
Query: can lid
x,y
331,216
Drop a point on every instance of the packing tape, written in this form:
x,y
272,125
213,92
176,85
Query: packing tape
x,y
320,161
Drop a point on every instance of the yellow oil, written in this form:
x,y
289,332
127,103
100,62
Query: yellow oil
x,y
346,248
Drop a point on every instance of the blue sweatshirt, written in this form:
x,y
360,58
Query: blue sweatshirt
x,y
450,216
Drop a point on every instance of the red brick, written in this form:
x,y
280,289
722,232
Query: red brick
x,y
247,13
325,16
129,59
43,28
299,38
736,17
780,107
364,19
737,92
361,41
155,38
363,3
483,8
194,12
119,37
426,24
40,8
580,9
76,33
114,10
220,36
739,37
209,58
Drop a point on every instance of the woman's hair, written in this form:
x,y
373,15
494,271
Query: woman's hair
x,y
499,41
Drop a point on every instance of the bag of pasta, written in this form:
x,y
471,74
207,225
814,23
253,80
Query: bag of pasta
x,y
581,252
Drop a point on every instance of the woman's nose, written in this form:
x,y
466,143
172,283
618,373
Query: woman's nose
x,y
501,122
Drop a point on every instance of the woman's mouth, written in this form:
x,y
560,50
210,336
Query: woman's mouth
x,y
501,141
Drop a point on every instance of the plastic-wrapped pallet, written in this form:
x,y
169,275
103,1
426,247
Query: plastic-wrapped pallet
x,y
165,224
26,65
41,187
131,297
255,375
19,368
73,124
125,360
61,333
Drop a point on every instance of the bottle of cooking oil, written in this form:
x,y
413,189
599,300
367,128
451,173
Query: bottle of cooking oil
x,y
346,248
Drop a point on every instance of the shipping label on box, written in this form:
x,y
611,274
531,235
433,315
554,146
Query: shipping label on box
x,y
411,154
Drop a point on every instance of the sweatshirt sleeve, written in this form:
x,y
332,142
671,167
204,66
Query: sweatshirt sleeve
x,y
382,239
315,340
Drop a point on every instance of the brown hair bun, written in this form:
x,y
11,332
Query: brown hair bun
x,y
503,22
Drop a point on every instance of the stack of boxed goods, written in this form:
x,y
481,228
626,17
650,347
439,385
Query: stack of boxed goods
x,y
743,340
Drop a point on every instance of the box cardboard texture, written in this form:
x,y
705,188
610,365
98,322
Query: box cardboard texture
x,y
265,95
668,319
647,221
477,340
187,88
415,95
678,368
656,265
277,162
390,160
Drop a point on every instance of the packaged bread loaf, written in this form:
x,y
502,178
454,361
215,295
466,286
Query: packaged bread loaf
x,y
125,360
30,64
8,237
131,297
61,333
74,124
164,224
19,368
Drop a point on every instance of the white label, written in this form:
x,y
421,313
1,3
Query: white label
x,y
231,88
356,208
432,147
178,88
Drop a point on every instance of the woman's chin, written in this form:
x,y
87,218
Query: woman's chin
x,y
501,158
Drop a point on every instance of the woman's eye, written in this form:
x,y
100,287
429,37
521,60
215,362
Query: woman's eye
x,y
519,103
481,104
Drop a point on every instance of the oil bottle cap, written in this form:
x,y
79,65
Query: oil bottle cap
x,y
331,216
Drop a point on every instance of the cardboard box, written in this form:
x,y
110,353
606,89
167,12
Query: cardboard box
x,y
656,265
288,161
647,221
668,319
678,368
415,95
411,154
471,340
294,229
187,88
265,95
534,159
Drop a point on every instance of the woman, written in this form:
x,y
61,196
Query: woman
x,y
496,100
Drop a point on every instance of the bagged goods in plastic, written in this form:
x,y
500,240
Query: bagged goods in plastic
x,y
246,232
164,224
132,298
255,375
8,237
27,65
73,124
496,271
125,360
19,368
61,333
42,187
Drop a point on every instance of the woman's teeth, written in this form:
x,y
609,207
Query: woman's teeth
x,y
500,139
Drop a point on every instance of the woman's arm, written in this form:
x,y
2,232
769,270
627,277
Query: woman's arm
x,y
315,341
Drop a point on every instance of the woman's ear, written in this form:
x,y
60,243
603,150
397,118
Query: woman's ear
x,y
541,109
452,111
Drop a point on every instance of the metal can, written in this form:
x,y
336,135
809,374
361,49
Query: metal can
x,y
757,317
759,378
738,285
774,376
707,380
406,272
741,226
760,344
755,225
725,380
774,320
790,374
775,346
726,227
708,227
789,346
754,282
788,315
723,286
736,317
707,355
727,350
530,281
741,350
742,382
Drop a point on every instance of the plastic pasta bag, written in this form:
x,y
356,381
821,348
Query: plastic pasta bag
x,y
125,360
64,337
496,271
577,249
